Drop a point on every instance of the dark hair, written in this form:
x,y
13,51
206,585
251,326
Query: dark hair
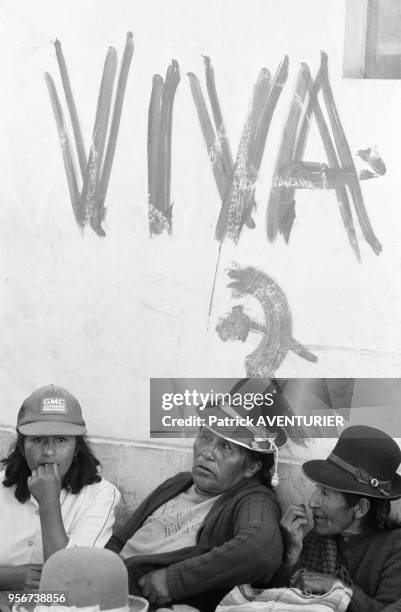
x,y
267,462
378,514
82,471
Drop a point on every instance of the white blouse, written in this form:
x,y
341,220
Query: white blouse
x,y
88,518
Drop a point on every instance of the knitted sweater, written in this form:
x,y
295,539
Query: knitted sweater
x,y
373,561
239,541
374,564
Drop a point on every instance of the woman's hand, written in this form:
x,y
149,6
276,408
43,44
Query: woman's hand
x,y
294,525
155,588
313,582
20,577
45,483
45,486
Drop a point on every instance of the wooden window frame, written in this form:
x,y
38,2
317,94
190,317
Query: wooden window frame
x,y
361,59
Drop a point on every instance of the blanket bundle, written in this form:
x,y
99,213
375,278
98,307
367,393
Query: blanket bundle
x,y
244,598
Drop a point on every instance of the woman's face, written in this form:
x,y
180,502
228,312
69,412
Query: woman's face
x,y
218,464
41,450
331,513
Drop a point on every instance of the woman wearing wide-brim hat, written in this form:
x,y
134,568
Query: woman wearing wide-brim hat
x,y
351,539
202,532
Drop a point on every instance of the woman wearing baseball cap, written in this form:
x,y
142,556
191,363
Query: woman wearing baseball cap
x,y
51,494
351,539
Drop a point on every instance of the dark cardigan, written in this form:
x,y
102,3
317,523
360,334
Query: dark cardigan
x,y
373,561
374,564
239,541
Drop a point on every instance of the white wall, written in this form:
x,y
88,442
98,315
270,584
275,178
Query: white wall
x,y
100,316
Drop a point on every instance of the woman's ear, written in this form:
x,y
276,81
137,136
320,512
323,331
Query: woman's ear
x,y
362,508
254,465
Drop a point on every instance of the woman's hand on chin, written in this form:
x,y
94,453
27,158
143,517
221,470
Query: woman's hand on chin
x,y
294,525
45,483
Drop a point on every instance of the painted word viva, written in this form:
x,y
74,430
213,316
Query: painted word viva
x,y
235,177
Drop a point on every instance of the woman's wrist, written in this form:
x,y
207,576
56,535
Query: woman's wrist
x,y
292,555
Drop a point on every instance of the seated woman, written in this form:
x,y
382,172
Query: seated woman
x,y
352,539
202,532
51,495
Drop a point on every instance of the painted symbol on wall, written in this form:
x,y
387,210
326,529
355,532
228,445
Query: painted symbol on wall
x,y
88,191
276,331
292,173
236,181
160,124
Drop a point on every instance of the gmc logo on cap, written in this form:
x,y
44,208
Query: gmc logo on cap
x,y
53,404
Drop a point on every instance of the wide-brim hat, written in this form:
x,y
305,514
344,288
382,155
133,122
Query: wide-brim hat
x,y
364,461
241,426
51,411
89,576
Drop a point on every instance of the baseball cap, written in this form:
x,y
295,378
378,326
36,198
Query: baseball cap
x,y
51,410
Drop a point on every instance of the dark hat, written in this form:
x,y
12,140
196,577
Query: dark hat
x,y
51,411
364,461
232,421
